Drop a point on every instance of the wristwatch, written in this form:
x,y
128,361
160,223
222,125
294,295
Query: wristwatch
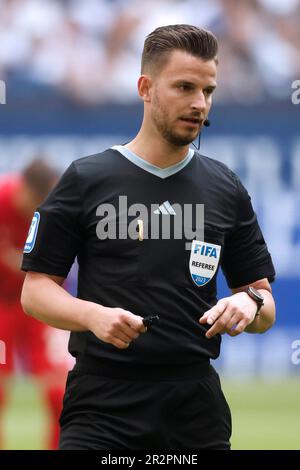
x,y
257,297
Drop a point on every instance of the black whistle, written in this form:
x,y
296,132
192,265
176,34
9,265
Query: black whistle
x,y
148,321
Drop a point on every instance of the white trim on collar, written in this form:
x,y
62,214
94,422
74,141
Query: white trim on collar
x,y
149,167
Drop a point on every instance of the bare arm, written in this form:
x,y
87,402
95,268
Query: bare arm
x,y
266,317
44,298
236,314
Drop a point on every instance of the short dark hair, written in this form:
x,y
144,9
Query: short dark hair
x,y
163,40
40,176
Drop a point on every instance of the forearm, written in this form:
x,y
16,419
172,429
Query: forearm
x,y
266,317
45,300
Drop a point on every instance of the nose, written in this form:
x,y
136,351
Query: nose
x,y
199,102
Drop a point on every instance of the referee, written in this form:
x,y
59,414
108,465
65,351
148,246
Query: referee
x,y
150,223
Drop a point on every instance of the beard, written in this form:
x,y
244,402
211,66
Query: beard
x,y
161,121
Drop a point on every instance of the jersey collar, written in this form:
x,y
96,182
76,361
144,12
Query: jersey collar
x,y
149,167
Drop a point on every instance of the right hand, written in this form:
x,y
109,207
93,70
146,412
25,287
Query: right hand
x,y
116,326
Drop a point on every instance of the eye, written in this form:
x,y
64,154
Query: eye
x,y
185,87
209,91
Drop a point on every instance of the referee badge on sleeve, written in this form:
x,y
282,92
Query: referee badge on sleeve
x,y
204,260
30,242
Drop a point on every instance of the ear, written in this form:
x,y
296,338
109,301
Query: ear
x,y
144,88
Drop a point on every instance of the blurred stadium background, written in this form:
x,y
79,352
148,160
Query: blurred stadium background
x,y
71,68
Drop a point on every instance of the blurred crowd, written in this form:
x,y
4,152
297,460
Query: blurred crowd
x,y
89,50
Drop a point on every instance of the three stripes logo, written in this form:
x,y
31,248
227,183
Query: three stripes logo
x,y
165,209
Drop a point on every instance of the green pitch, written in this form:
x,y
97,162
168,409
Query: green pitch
x,y
265,415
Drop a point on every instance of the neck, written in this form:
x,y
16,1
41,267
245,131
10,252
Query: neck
x,y
153,148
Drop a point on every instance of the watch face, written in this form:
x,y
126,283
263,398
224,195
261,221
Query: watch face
x,y
255,293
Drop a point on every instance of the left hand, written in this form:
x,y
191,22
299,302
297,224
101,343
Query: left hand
x,y
230,315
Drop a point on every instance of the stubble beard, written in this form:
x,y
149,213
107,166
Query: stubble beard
x,y
160,118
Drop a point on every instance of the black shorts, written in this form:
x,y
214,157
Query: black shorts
x,y
178,408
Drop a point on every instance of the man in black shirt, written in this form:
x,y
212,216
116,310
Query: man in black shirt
x,y
150,223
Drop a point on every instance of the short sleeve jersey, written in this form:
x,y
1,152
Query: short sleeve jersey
x,y
133,228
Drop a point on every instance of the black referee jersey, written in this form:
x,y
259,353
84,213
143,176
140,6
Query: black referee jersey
x,y
121,217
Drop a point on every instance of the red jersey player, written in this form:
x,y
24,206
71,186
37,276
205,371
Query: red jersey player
x,y
22,335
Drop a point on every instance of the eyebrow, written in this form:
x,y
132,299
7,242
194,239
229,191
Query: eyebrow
x,y
211,87
186,82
